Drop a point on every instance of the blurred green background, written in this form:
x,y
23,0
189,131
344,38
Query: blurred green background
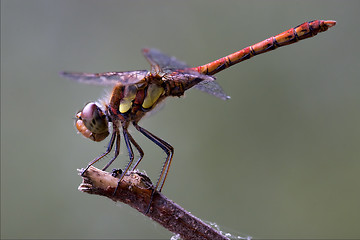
x,y
280,159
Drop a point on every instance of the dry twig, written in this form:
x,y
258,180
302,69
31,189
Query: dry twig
x,y
135,190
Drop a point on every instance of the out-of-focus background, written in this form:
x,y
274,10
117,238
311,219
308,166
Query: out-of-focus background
x,y
280,159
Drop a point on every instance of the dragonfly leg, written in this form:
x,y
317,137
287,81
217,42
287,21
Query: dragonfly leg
x,y
168,149
117,151
127,138
138,148
110,145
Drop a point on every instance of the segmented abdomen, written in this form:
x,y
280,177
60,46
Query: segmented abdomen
x,y
303,31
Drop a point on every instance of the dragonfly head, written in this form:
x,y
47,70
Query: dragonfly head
x,y
92,123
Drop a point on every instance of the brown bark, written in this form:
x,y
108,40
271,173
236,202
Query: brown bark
x,y
135,190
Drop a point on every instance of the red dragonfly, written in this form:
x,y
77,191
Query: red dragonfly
x,y
135,93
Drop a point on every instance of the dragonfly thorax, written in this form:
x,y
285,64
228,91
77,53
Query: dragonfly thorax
x,y
130,102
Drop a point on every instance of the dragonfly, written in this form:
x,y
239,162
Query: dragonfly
x,y
136,93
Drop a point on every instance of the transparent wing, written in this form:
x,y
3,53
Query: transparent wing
x,y
213,88
185,75
108,78
167,63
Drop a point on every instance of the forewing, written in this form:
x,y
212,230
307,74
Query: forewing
x,y
108,78
165,62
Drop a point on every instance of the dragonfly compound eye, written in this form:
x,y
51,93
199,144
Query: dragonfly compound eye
x,y
92,123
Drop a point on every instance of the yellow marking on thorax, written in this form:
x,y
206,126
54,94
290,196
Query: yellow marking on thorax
x,y
129,95
153,94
